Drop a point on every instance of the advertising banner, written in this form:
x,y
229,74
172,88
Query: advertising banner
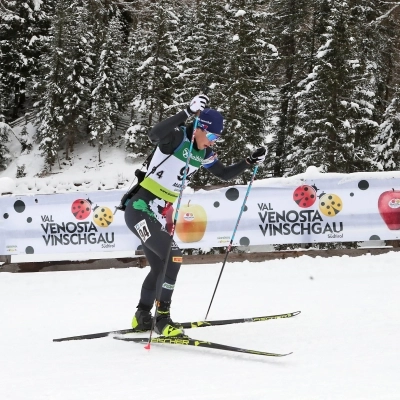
x,y
324,208
64,223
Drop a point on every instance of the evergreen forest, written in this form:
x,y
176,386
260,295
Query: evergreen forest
x,y
316,81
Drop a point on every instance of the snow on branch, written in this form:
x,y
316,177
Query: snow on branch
x,y
386,15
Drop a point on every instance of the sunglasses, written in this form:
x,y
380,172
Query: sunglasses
x,y
212,137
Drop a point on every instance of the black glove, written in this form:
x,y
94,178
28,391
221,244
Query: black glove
x,y
198,103
257,157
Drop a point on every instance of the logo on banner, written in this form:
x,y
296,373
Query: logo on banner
x,y
306,221
12,249
82,208
83,232
329,204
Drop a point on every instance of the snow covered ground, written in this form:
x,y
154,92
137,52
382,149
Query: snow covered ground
x,y
81,172
345,342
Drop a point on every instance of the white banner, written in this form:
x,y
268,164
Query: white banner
x,y
324,208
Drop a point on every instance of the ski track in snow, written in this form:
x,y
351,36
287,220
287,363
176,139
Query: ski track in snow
x,y
344,343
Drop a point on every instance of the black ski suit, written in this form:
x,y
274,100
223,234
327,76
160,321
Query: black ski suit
x,y
145,212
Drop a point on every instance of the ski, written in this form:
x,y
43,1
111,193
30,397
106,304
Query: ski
x,y
188,341
185,325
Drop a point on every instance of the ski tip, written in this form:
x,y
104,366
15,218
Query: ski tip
x,y
277,354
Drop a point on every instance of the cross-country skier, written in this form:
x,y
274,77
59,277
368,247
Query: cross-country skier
x,y
145,212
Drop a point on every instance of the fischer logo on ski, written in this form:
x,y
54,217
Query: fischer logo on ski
x,y
188,341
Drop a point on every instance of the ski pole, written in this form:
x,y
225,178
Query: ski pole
x,y
172,231
233,236
178,205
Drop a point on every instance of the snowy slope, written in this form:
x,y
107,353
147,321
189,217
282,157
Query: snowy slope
x,y
345,342
81,172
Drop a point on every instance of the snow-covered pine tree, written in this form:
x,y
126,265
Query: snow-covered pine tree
x,y
287,22
5,94
136,142
21,25
331,108
55,67
3,97
179,76
369,77
25,140
108,86
204,51
383,27
11,58
245,50
387,141
153,70
202,31
4,152
79,73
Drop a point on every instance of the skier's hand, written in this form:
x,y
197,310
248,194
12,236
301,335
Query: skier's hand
x,y
257,157
198,103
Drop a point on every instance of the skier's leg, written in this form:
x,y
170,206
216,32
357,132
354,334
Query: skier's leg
x,y
152,282
155,242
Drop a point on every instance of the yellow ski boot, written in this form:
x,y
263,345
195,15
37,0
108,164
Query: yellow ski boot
x,y
164,325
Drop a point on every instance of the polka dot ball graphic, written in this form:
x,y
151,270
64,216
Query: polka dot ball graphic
x,y
363,185
244,241
19,206
232,194
374,237
29,250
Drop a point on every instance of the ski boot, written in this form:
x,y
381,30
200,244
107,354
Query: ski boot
x,y
164,325
142,320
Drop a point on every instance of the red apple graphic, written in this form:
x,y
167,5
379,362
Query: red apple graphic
x,y
389,208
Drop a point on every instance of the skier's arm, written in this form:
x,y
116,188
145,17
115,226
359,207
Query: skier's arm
x,y
227,173
165,131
